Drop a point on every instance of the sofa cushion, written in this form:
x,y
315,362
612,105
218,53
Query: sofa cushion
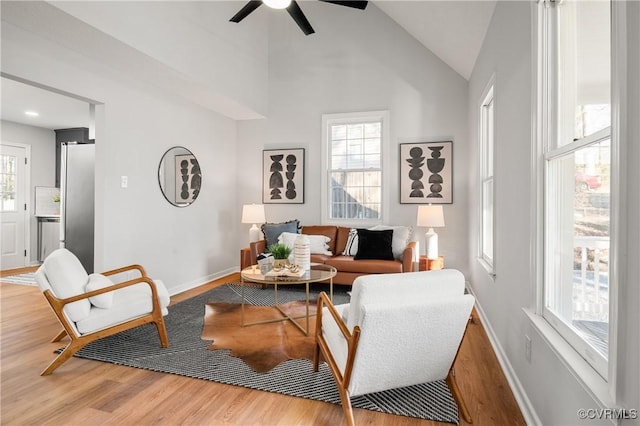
x,y
374,244
368,266
341,239
327,231
96,282
401,236
272,231
319,258
67,278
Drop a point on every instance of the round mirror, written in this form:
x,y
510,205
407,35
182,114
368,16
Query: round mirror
x,y
179,176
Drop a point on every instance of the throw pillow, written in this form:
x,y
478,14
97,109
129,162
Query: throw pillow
x,y
351,249
96,282
401,236
374,244
317,243
272,231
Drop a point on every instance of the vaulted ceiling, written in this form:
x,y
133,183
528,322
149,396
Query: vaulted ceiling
x,y
453,30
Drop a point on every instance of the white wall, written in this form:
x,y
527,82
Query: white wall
x,y
357,61
135,124
552,390
43,164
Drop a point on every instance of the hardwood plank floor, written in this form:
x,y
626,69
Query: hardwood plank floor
x,y
85,392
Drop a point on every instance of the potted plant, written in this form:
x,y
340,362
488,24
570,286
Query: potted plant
x,y
280,254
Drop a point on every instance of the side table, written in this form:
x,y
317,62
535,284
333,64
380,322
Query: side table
x,y
427,264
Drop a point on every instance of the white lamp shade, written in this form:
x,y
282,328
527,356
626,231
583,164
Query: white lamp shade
x,y
430,216
253,213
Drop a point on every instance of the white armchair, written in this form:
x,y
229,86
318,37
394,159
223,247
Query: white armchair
x,y
399,330
90,307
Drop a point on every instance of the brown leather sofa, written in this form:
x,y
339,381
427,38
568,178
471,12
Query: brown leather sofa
x,y
348,268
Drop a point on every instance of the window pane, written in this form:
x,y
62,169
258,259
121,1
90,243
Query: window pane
x,y
8,176
372,130
578,198
487,220
338,132
584,68
339,147
339,162
355,195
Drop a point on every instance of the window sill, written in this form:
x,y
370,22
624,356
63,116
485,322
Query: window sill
x,y
588,378
487,267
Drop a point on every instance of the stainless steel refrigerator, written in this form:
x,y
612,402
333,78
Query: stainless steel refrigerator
x,y
77,201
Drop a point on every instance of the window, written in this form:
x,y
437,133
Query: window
x,y
353,162
8,177
486,179
577,174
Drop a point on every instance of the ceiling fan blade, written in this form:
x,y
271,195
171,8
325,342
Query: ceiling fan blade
x,y
298,16
355,4
246,10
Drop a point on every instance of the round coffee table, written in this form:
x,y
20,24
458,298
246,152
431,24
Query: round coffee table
x,y
317,273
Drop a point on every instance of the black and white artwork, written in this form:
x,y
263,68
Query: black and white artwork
x,y
188,178
283,176
426,173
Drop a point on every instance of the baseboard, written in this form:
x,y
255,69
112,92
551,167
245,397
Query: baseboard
x,y
200,281
522,399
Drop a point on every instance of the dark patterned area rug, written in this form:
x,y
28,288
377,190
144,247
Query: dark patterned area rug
x,y
187,355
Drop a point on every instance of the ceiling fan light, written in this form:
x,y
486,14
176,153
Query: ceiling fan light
x,y
277,4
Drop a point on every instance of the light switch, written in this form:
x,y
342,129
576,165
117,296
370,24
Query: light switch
x,y
124,181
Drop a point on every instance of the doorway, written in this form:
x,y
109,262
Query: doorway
x,y
14,215
31,113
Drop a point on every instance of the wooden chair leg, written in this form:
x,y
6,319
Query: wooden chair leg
x,y
316,357
67,353
346,406
59,336
457,396
162,332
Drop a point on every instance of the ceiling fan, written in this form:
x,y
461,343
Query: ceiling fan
x,y
294,10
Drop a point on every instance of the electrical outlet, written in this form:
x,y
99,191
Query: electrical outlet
x,y
527,348
124,181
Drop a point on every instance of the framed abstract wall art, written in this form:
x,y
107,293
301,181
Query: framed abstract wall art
x,y
283,176
426,173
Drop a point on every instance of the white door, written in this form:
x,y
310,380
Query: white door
x,y
13,207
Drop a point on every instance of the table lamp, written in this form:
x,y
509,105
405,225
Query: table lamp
x,y
253,213
431,216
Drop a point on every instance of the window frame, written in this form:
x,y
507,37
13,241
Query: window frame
x,y
329,120
543,85
486,163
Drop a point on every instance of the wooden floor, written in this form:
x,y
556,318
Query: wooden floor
x,y
85,392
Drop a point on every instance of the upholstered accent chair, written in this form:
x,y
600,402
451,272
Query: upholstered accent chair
x,y
398,330
90,307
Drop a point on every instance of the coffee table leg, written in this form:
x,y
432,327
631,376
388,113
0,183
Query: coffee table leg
x,y
331,289
242,304
307,331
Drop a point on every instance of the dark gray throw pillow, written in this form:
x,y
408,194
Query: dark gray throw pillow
x,y
272,231
374,244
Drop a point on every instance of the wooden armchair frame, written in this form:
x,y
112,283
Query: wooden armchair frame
x,y
79,341
342,380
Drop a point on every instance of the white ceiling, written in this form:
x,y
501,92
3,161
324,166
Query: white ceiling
x,y
453,30
55,111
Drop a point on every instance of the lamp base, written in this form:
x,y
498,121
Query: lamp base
x,y
254,233
431,241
